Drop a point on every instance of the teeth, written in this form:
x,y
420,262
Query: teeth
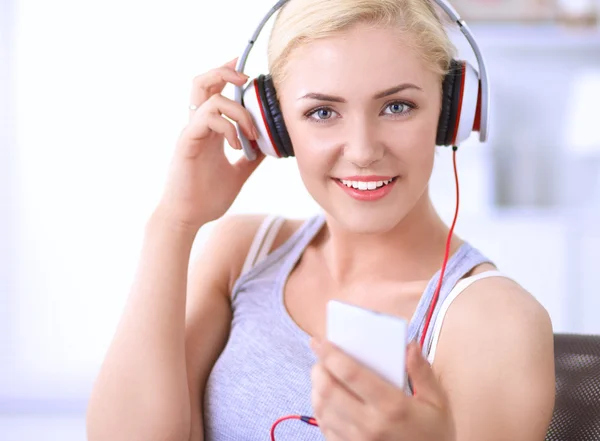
x,y
362,185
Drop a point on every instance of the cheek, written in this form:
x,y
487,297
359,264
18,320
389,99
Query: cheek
x,y
315,161
418,146
424,166
315,155
415,149
314,167
420,162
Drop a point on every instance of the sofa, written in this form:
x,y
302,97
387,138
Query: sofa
x,y
577,410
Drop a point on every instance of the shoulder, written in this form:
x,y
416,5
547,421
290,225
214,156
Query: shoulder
x,y
497,308
230,240
496,359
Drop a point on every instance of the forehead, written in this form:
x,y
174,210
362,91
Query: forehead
x,y
363,60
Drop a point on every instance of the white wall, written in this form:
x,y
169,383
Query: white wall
x,y
8,214
101,95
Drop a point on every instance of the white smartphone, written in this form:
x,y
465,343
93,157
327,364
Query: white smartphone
x,y
376,340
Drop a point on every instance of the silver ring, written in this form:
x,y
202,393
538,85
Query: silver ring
x,y
193,107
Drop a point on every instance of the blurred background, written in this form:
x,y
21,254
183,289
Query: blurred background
x,y
94,94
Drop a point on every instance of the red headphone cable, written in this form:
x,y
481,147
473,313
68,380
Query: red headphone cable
x,y
446,257
447,253
312,421
305,419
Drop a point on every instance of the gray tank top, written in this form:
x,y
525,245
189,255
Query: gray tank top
x,y
264,370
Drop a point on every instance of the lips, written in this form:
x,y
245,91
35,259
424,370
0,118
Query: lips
x,y
367,188
366,184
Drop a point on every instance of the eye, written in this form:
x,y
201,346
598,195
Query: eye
x,y
322,113
399,108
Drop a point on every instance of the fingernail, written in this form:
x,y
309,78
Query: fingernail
x,y
255,133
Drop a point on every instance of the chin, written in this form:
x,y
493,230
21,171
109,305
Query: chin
x,y
354,221
358,213
362,217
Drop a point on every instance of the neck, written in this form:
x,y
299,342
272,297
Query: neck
x,y
412,251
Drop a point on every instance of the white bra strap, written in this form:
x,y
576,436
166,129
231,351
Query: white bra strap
x,y
259,237
458,288
262,239
269,239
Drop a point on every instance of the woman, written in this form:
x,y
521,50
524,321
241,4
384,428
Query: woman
x,y
240,343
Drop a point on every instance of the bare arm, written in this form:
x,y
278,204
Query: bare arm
x,y
152,381
208,316
141,390
500,379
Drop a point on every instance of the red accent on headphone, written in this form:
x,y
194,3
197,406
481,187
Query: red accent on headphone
x,y
477,122
262,113
460,103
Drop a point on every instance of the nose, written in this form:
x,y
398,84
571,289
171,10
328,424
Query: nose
x,y
363,147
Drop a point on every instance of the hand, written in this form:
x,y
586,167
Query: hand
x,y
202,183
353,403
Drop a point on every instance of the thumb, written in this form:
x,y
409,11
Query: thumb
x,y
244,167
424,383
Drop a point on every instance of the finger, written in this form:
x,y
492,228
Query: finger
x,y
337,432
211,123
213,82
214,77
245,167
334,407
190,141
424,382
232,63
219,105
218,124
331,434
359,379
330,396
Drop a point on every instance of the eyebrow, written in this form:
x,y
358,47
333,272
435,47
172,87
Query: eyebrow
x,y
379,95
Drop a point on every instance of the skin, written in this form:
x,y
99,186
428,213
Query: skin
x,y
493,375
366,136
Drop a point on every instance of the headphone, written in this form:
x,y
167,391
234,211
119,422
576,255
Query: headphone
x,y
465,99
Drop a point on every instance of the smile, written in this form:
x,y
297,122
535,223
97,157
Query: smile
x,y
366,185
367,189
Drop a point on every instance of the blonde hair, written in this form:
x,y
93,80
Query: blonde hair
x,y
303,21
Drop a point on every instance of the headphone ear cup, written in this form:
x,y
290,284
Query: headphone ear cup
x,y
253,103
460,104
274,116
450,103
469,102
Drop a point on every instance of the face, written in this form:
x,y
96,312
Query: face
x,y
362,111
